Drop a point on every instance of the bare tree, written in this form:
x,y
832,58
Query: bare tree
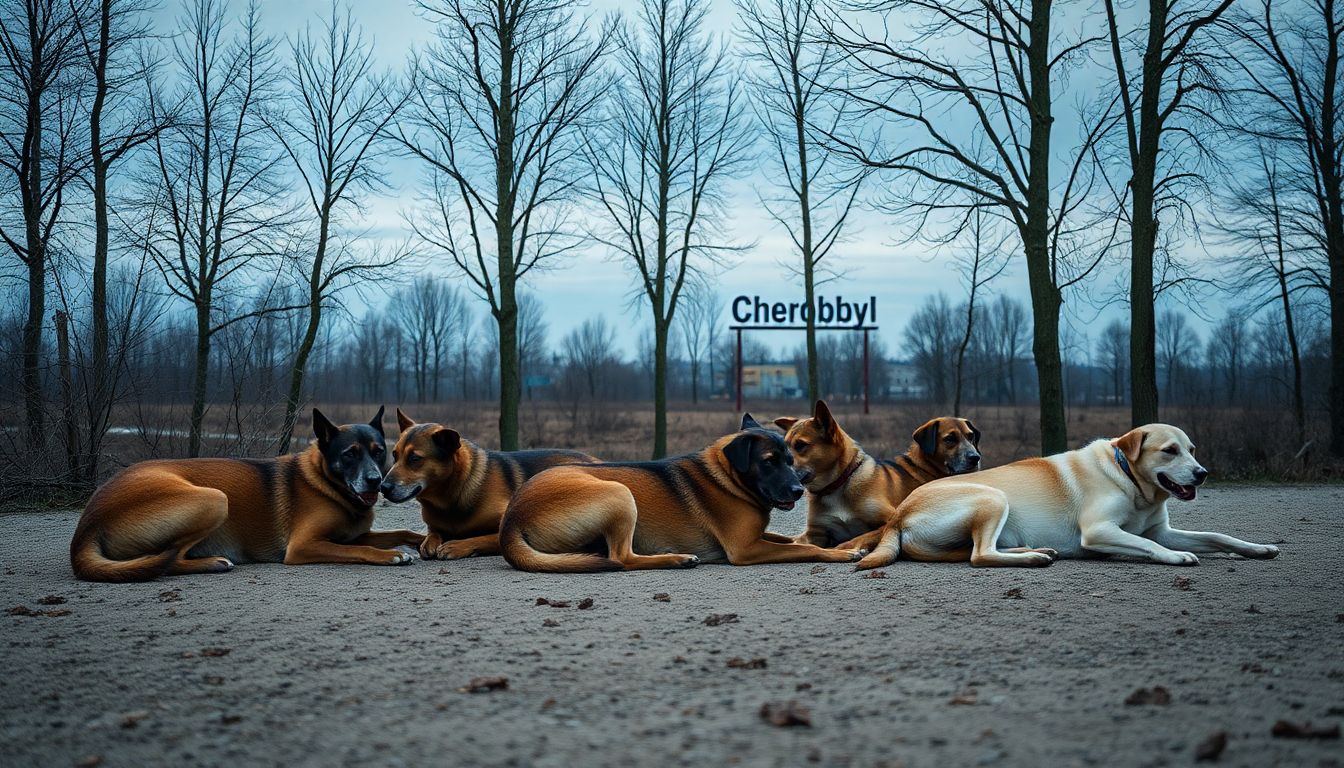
x,y
1226,344
38,82
213,214
980,264
532,333
1006,325
696,322
1294,64
1161,111
674,137
932,335
1113,350
429,312
970,91
495,112
791,61
589,348
1177,343
111,39
333,136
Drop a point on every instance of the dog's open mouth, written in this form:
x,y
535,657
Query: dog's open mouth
x,y
1182,492
367,498
784,505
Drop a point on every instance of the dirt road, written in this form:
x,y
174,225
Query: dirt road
x,y
932,665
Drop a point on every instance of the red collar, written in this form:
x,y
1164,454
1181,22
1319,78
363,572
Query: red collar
x,y
840,481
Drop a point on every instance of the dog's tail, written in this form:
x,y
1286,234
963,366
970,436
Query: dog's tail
x,y
522,555
885,553
90,563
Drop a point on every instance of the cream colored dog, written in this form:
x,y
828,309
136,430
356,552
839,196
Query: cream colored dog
x,y
1108,498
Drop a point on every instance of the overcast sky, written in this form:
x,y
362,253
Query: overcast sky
x,y
875,259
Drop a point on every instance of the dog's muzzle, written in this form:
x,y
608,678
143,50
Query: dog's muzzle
x,y
397,494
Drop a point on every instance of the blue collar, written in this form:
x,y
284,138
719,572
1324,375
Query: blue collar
x,y
1124,467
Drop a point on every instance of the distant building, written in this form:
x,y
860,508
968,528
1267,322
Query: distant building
x,y
774,381
905,383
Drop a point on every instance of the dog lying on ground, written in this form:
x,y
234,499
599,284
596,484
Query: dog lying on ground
x,y
852,495
462,489
203,515
1108,498
711,506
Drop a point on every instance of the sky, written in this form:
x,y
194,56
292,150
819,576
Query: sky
x,y
876,258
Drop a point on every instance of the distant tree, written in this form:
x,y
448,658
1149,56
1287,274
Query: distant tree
x,y
675,135
1177,344
333,136
696,321
1226,342
933,334
497,106
1113,351
1007,333
982,261
590,348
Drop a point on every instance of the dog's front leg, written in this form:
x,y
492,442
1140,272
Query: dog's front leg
x,y
1108,538
401,538
456,549
306,552
867,541
777,538
1206,541
762,552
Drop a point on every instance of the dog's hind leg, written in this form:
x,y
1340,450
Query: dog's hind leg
x,y
208,509
989,512
885,551
619,529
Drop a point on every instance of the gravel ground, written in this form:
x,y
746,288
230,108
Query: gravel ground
x,y
931,665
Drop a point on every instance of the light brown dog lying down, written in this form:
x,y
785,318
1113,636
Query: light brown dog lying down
x,y
711,506
1108,498
852,495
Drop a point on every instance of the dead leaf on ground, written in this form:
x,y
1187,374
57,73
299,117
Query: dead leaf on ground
x,y
1287,729
216,652
875,575
553,603
1014,594
1212,747
550,623
738,663
663,597
23,610
52,600
1182,583
485,684
170,596
786,714
585,604
817,569
715,619
132,719
965,698
1253,609
1157,695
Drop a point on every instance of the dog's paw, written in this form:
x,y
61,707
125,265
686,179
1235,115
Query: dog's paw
x,y
224,565
454,550
1177,558
1038,559
400,558
427,552
689,561
1261,552
1052,554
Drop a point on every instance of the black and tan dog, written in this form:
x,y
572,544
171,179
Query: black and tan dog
x,y
711,506
462,489
203,515
852,495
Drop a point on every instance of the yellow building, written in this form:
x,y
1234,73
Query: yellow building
x,y
770,381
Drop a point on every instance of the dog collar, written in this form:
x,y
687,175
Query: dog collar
x,y
840,481
1124,467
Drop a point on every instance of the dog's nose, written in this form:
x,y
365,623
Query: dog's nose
x,y
386,487
1200,475
974,459
797,492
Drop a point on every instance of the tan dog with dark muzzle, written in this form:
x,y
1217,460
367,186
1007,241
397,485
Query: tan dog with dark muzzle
x,y
852,495
1108,498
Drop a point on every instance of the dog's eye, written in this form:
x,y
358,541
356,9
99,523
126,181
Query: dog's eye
x,y
950,439
1171,449
800,447
413,460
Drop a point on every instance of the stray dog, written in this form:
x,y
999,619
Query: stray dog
x,y
852,495
711,506
462,489
203,515
1108,498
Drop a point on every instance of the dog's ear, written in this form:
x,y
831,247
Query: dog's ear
x,y
975,433
404,422
446,440
825,421
926,437
785,422
377,421
1131,443
738,452
749,423
323,429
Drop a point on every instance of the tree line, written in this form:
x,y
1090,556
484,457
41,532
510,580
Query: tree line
x,y
199,194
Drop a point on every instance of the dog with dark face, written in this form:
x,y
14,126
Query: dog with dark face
x,y
851,494
184,516
711,506
1107,498
462,489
